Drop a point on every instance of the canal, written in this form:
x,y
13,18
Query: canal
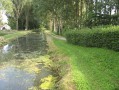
x,y
25,65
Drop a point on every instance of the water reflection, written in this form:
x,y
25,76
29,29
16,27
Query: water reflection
x,y
15,79
19,50
6,48
33,44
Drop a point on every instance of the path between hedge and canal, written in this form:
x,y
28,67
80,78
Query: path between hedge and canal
x,y
55,36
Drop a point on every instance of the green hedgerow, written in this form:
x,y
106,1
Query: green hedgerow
x,y
96,37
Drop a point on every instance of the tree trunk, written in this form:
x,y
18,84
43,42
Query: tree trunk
x,y
81,13
87,9
58,30
51,24
27,22
77,14
55,28
96,3
61,26
110,11
17,23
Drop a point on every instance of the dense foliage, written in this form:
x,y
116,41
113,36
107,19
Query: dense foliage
x,y
21,13
59,14
97,37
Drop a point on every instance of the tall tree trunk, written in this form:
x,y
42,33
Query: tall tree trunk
x,y
17,23
96,12
81,13
110,11
55,28
77,14
105,9
27,22
87,8
61,26
51,24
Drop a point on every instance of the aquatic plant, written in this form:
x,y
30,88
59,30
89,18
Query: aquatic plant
x,y
48,82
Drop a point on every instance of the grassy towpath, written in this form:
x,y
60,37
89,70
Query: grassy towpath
x,y
55,36
91,68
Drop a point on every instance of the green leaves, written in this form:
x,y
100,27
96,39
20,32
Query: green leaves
x,y
6,5
98,37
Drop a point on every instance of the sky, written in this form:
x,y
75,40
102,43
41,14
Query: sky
x,y
4,18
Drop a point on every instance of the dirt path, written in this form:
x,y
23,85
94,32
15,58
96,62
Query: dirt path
x,y
55,36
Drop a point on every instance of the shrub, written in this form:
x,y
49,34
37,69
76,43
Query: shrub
x,y
97,37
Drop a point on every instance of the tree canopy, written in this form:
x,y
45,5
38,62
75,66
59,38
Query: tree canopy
x,y
60,14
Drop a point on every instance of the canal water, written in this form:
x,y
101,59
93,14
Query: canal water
x,y
22,65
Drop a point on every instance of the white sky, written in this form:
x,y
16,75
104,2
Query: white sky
x,y
4,18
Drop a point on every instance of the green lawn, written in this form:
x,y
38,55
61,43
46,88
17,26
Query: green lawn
x,y
92,68
15,34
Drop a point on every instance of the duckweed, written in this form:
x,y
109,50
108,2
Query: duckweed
x,y
48,82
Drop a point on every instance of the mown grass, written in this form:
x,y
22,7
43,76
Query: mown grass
x,y
92,68
15,34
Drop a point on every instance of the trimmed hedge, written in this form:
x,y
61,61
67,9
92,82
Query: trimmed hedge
x,y
98,37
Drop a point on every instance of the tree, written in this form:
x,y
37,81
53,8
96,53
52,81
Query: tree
x,y
59,14
17,9
6,5
27,9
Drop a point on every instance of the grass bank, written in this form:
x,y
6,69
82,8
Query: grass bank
x,y
60,66
6,36
91,68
